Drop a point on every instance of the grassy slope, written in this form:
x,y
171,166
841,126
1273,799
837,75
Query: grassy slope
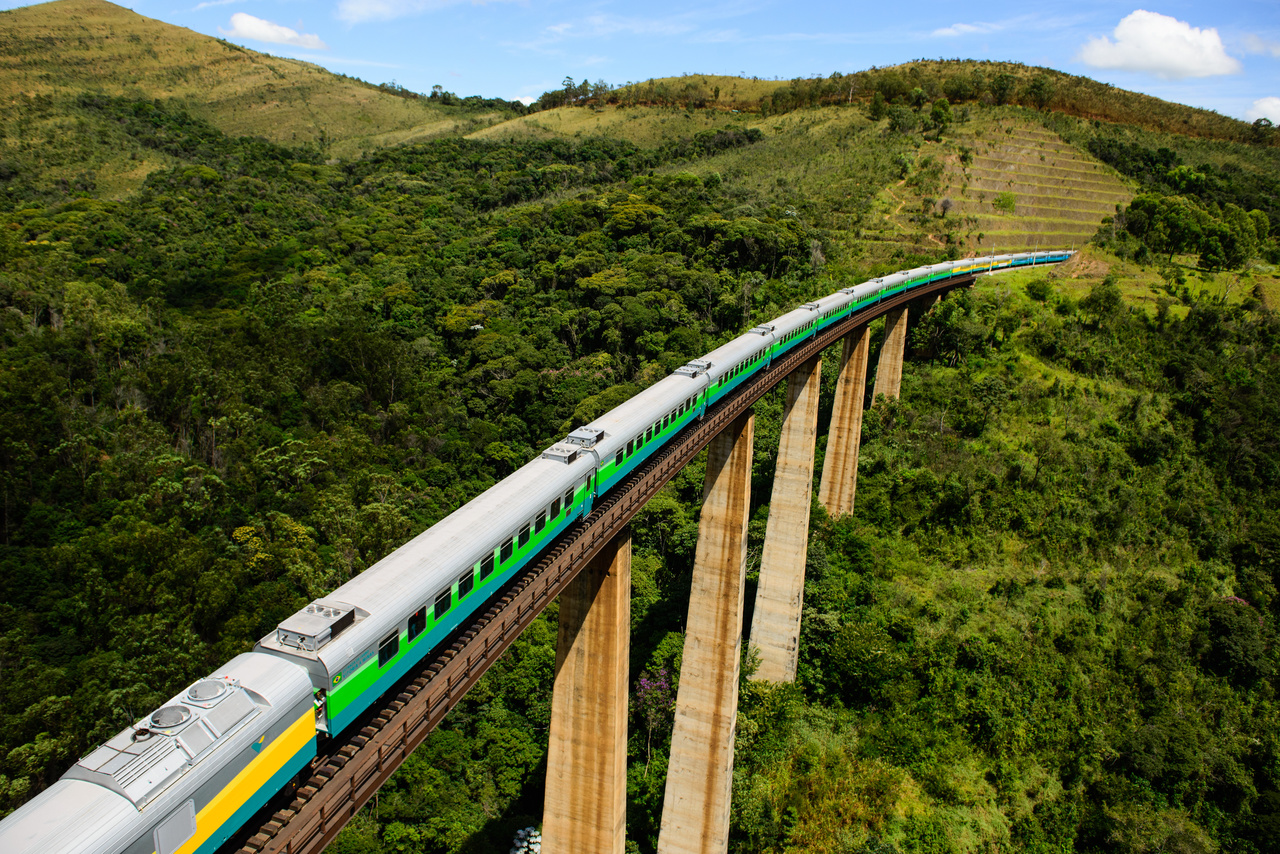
x,y
51,53
646,126
836,168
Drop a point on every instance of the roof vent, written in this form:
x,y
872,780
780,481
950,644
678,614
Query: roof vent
x,y
764,329
585,437
315,625
812,306
206,690
170,717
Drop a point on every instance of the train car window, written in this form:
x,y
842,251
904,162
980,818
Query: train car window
x,y
617,461
442,603
388,649
486,567
417,622
631,447
524,535
466,582
590,479
555,507
648,434
540,522
568,498
507,549
666,420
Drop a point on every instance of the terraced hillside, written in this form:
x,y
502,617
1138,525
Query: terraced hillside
x,y
1059,193
999,182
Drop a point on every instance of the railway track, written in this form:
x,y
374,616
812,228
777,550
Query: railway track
x,y
306,818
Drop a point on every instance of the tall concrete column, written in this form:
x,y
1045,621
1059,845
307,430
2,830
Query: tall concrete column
x,y
840,466
695,812
775,625
586,801
889,371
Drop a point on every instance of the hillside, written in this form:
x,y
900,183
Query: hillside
x,y
236,371
51,54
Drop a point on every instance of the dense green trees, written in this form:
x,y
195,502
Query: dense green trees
x,y
1049,623
262,373
1224,240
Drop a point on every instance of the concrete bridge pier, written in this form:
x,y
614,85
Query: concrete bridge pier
x,y
775,625
695,812
586,801
840,466
889,370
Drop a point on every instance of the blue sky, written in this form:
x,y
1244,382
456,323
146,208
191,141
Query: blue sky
x,y
1223,56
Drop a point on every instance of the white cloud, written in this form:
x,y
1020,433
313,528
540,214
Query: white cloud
x,y
248,27
1160,45
966,30
1255,44
602,26
359,11
1265,108
210,3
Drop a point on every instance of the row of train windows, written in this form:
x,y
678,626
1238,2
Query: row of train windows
x,y
740,367
390,647
658,426
799,331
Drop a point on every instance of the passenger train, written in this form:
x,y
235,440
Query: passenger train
x,y
186,777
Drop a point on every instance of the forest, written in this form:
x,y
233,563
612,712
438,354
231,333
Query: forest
x,y
1049,624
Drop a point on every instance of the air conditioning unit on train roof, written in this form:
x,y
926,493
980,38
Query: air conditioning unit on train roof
x,y
315,625
562,452
764,329
585,437
696,368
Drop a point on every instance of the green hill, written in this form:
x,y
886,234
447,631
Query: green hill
x,y
53,53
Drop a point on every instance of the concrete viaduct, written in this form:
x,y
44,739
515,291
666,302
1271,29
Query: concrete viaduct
x,y
590,569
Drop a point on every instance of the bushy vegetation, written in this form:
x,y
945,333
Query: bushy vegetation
x,y
1227,212
1048,625
261,373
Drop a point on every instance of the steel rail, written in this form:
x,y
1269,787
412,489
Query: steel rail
x,y
347,777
